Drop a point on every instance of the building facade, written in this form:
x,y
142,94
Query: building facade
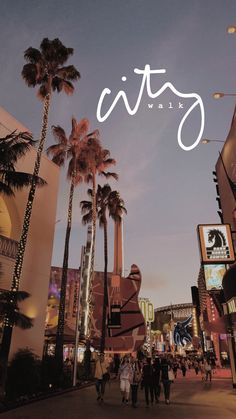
x,y
37,260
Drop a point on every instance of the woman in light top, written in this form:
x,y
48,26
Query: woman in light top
x,y
100,369
125,375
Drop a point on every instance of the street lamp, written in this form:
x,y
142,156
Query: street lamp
x,y
219,95
231,29
206,141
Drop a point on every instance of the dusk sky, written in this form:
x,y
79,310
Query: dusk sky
x,y
167,191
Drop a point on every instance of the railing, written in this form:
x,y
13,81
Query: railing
x,y
8,247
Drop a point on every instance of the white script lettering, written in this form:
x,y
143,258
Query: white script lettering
x,y
146,80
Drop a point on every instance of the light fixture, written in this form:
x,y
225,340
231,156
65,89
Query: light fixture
x,y
218,95
231,29
207,140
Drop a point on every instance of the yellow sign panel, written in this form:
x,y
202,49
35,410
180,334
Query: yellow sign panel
x,y
147,309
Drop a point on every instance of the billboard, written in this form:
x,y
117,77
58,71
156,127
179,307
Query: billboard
x,y
72,294
147,309
181,332
214,276
216,243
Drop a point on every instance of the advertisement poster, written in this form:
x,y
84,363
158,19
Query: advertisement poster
x,y
213,276
129,103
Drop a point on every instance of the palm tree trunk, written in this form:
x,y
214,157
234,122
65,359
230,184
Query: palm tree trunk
x,y
105,297
7,332
91,270
4,354
87,353
28,211
61,315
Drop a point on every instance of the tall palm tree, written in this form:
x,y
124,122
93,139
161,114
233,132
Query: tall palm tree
x,y
12,147
44,69
97,160
10,311
110,202
67,148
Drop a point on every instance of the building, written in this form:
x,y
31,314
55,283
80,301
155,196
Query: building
x,y
213,321
125,330
37,261
71,309
125,325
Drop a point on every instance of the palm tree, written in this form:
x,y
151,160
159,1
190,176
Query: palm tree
x,y
44,68
11,315
12,147
110,202
96,160
9,307
67,148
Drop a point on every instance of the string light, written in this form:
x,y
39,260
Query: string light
x,y
28,211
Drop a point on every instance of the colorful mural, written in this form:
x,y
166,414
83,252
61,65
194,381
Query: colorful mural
x,y
73,279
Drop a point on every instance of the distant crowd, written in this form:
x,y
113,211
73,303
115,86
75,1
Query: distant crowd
x,y
148,374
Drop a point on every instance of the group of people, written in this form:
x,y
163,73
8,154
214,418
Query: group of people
x,y
202,366
135,374
148,374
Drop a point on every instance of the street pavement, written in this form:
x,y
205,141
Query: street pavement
x,y
190,398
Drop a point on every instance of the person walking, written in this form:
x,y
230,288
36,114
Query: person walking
x,y
165,379
135,380
147,379
208,370
202,369
125,375
100,370
175,367
183,367
116,364
196,366
156,378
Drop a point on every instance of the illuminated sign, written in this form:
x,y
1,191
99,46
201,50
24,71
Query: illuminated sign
x,y
232,305
216,243
147,309
214,276
181,334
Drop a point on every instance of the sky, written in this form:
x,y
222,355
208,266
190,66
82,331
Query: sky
x,y
167,191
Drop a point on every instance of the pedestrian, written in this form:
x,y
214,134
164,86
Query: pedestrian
x,y
207,367
213,365
183,367
202,370
101,371
125,375
156,378
135,380
196,366
175,367
116,364
147,380
165,379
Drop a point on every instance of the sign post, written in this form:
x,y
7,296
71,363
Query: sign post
x,y
148,313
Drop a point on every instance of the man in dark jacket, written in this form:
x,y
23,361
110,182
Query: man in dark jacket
x,y
147,380
165,379
156,378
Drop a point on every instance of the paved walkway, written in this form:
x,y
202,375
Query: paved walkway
x,y
191,398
